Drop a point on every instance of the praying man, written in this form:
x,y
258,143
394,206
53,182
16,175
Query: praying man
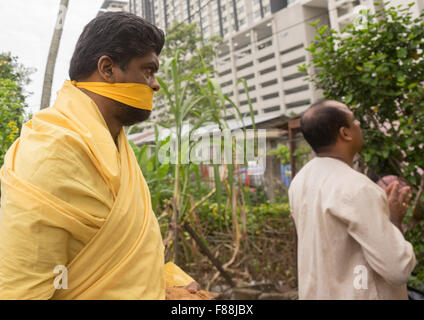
x,y
73,194
350,243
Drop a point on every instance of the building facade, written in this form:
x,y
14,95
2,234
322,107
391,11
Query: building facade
x,y
113,6
264,43
342,12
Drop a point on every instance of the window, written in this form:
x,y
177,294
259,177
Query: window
x,y
294,76
271,96
267,57
244,102
271,109
268,83
223,73
244,66
251,88
265,44
249,76
297,89
298,103
293,62
267,70
247,114
227,83
223,54
291,49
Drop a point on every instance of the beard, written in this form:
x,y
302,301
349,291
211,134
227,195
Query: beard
x,y
129,115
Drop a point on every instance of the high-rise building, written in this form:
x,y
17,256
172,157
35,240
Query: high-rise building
x,y
342,12
264,43
113,6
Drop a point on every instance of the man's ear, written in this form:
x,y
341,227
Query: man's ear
x,y
105,67
344,134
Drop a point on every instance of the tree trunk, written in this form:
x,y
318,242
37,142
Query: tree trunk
x,y
51,60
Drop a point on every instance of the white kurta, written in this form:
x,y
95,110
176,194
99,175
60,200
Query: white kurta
x,y
347,246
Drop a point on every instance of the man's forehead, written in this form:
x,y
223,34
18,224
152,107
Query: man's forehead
x,y
151,57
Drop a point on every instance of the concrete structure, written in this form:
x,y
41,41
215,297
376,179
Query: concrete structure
x,y
264,43
342,12
113,6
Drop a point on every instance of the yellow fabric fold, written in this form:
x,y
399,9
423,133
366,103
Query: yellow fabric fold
x,y
132,94
70,198
175,276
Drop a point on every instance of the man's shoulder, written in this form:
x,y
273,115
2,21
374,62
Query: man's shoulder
x,y
45,146
334,174
49,129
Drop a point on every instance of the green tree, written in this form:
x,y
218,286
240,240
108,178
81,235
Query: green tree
x,y
377,68
282,153
187,38
13,78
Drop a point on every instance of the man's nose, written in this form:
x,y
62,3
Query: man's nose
x,y
155,84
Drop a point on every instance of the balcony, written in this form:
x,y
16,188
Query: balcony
x,y
315,3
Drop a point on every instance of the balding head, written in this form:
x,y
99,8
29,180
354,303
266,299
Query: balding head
x,y
320,124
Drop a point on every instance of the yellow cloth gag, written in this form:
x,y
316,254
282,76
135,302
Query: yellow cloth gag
x,y
70,198
136,95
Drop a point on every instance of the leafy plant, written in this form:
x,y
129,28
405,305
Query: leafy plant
x,y
13,76
282,153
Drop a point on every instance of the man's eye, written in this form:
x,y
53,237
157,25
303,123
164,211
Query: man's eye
x,y
150,72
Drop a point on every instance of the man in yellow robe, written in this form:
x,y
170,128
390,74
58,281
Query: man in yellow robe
x,y
74,202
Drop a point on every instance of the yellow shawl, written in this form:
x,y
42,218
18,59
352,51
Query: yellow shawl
x,y
70,198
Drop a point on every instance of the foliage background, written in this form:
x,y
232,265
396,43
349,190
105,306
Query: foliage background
x,y
13,78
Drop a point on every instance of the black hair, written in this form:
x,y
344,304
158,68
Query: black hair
x,y
320,126
119,35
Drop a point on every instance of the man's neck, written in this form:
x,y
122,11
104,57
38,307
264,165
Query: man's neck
x,y
337,155
107,107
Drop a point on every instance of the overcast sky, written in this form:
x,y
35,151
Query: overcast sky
x,y
26,29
